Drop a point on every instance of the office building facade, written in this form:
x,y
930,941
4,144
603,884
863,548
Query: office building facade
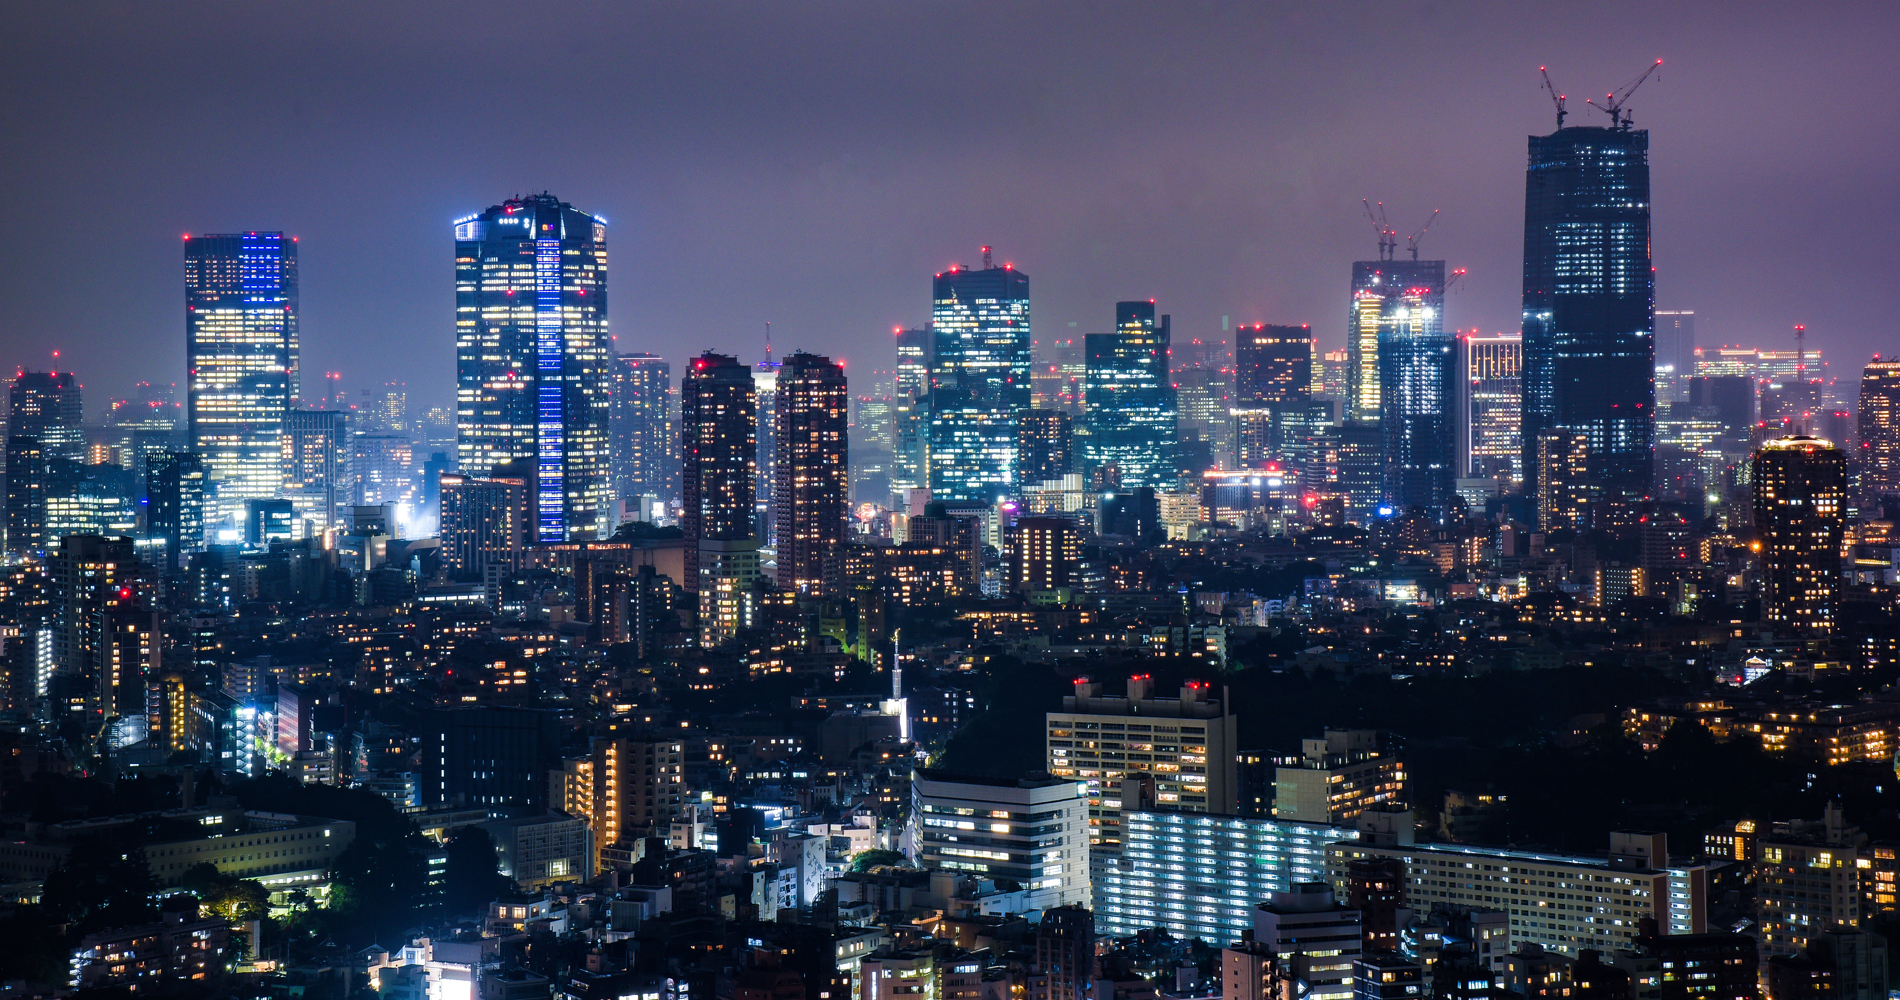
x,y
1273,376
1044,445
45,445
645,460
1380,289
811,480
1129,401
979,381
317,466
1490,438
1418,387
1589,301
533,362
241,356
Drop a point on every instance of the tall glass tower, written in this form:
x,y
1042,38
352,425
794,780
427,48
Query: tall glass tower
x,y
1130,401
1378,287
644,456
1589,302
241,354
1417,386
980,365
532,358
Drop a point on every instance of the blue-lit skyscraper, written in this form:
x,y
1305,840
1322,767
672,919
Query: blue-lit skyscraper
x,y
979,380
241,354
531,355
1589,301
1129,400
1417,384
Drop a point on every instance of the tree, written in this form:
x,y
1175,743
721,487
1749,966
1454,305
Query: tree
x,y
472,877
864,861
100,886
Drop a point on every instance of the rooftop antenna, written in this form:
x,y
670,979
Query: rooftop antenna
x,y
1616,105
1411,242
768,343
986,258
1555,98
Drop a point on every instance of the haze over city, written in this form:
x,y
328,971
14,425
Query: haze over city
x,y
810,166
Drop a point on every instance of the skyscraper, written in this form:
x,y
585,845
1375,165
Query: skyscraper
x,y
532,360
1800,488
979,380
1675,352
241,355
910,411
46,441
811,483
1589,301
643,453
1880,428
719,452
316,465
1273,376
174,508
1381,290
1489,446
1418,392
1130,400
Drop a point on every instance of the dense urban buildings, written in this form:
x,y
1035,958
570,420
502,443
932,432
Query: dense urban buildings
x,y
533,363
763,685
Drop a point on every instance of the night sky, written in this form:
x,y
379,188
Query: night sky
x,y
812,164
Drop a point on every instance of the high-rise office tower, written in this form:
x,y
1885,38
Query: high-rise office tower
x,y
1492,369
380,464
913,362
174,507
643,453
1880,428
482,524
1589,301
979,380
241,355
1418,392
532,357
1675,352
1387,294
1800,486
910,411
1044,446
1130,402
45,443
317,464
1565,490
811,481
1273,375
719,455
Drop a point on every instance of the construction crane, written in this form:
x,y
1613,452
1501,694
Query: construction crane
x,y
1615,105
1555,98
1411,242
1452,281
1388,237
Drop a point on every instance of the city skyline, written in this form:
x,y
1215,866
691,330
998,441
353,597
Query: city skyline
x,y
1206,237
